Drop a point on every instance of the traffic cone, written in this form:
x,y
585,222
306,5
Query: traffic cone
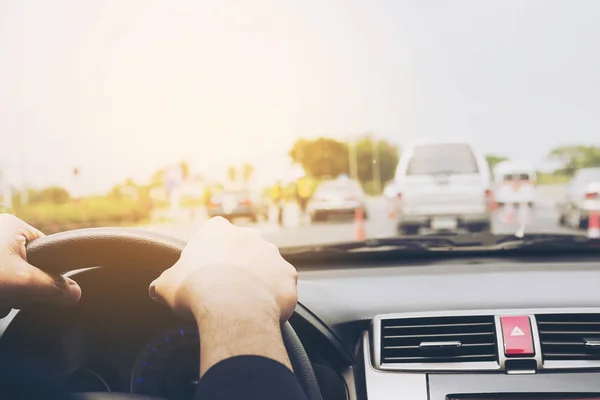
x,y
392,210
594,225
359,221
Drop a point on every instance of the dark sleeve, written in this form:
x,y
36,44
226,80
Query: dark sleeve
x,y
249,377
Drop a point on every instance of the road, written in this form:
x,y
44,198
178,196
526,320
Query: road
x,y
543,218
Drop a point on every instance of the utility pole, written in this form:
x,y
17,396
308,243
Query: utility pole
x,y
75,189
376,166
353,159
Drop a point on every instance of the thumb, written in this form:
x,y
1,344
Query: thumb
x,y
31,284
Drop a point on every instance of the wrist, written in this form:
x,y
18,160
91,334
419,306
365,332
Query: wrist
x,y
211,318
225,306
226,333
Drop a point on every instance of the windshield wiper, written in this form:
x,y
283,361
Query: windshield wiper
x,y
462,242
424,243
547,241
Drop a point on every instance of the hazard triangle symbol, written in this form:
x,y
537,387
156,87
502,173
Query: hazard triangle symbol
x,y
517,332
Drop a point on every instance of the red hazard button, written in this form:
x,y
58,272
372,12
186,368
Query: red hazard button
x,y
516,331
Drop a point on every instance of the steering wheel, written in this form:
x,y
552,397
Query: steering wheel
x,y
127,248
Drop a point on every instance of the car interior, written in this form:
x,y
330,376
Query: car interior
x,y
374,325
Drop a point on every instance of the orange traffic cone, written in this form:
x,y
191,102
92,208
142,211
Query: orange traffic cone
x,y
594,225
392,210
359,221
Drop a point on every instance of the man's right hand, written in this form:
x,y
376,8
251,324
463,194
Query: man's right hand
x,y
237,287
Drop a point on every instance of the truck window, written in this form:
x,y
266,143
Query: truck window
x,y
448,158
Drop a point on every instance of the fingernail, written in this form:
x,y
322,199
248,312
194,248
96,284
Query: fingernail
x,y
60,281
71,290
152,290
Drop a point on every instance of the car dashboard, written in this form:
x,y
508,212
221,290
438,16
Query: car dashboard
x,y
449,328
465,328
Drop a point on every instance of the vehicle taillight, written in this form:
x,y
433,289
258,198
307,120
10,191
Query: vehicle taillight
x,y
399,195
591,195
488,193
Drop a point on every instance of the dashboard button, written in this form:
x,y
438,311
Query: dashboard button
x,y
516,331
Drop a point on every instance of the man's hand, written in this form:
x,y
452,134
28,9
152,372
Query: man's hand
x,y
237,287
20,282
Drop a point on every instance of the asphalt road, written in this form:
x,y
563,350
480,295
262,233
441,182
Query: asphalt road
x,y
543,218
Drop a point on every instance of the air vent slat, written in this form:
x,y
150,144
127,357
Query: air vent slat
x,y
471,357
439,340
438,326
418,347
444,335
569,336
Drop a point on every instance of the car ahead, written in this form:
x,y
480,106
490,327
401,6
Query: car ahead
x,y
233,204
443,186
337,197
582,197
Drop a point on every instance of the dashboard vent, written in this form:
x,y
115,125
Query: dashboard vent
x,y
438,340
569,336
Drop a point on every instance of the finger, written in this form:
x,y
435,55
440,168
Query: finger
x,y
216,222
30,284
160,288
30,232
23,228
17,233
214,227
250,232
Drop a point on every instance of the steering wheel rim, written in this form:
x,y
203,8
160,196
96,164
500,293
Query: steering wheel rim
x,y
126,247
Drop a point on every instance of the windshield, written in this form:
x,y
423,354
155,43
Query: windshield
x,y
313,122
338,187
516,177
442,159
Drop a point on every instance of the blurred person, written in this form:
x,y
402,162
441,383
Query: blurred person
x,y
247,317
277,197
304,192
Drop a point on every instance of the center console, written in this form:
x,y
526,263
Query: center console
x,y
533,354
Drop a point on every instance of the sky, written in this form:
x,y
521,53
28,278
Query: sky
x,y
121,88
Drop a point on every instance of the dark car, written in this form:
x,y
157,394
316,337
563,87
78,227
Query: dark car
x,y
234,204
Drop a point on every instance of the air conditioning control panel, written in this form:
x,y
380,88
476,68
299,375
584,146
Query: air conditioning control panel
x,y
510,341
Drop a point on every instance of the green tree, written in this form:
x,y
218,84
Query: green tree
x,y
185,169
158,177
232,173
247,172
494,160
326,157
51,194
371,152
321,157
575,157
